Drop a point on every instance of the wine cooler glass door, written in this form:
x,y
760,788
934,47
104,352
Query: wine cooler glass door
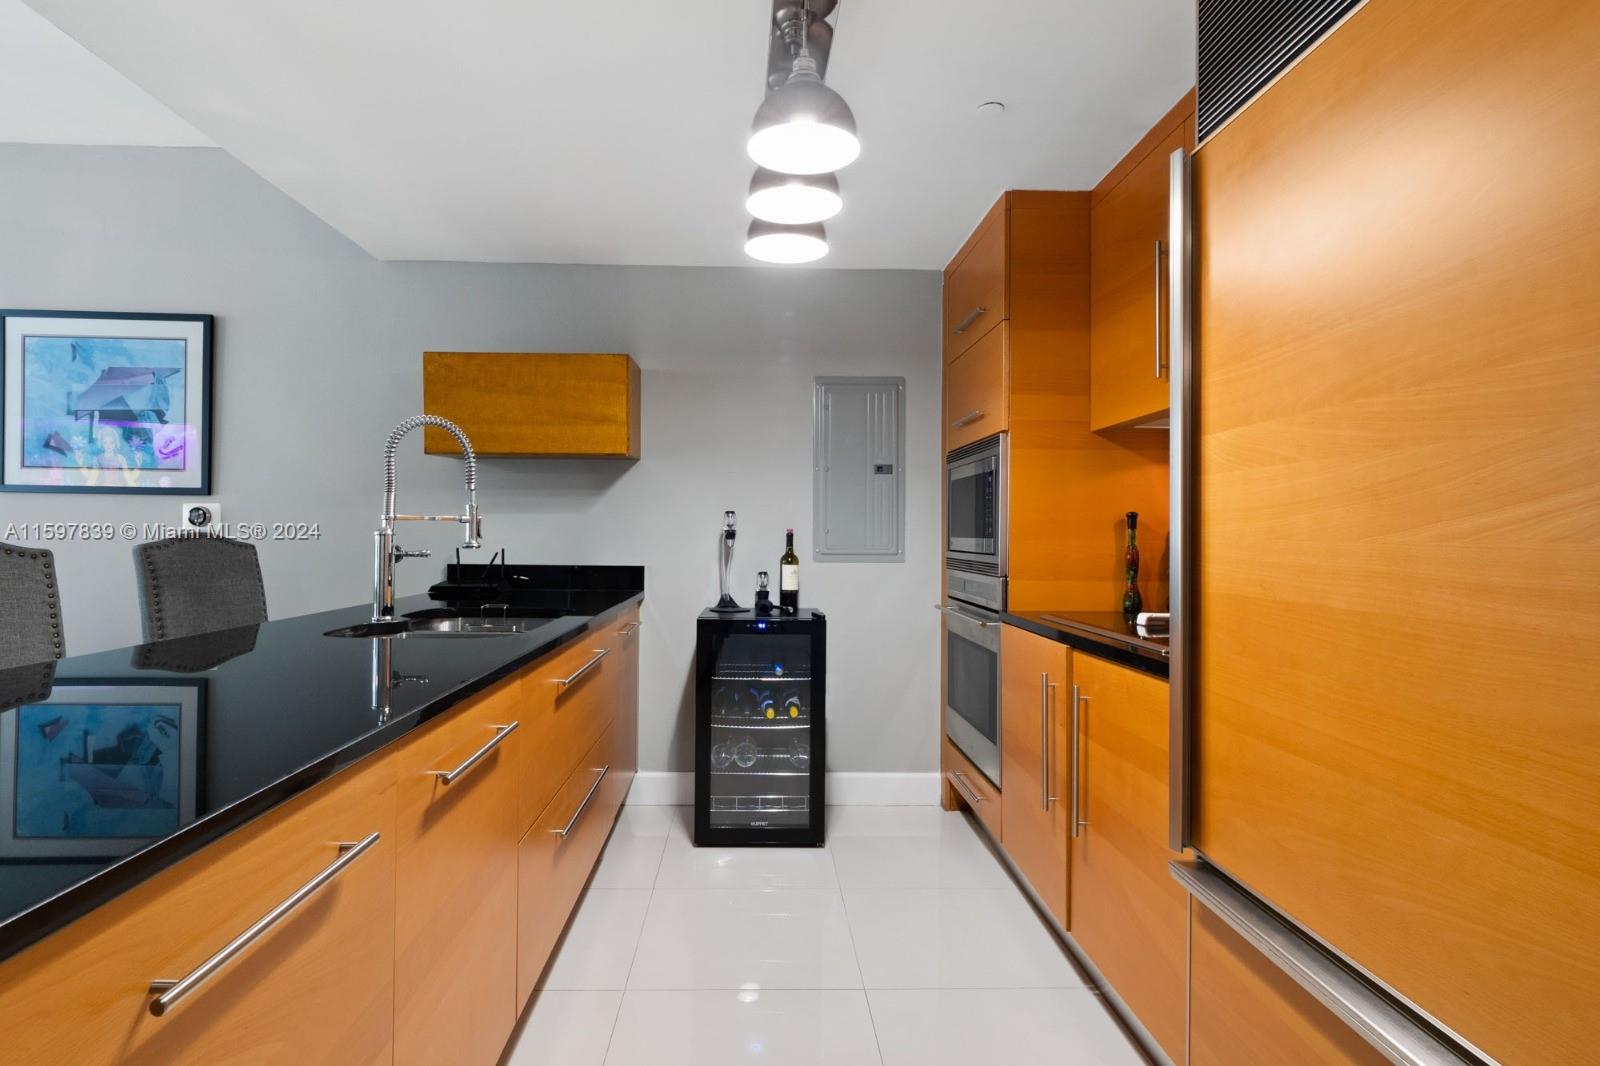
x,y
760,735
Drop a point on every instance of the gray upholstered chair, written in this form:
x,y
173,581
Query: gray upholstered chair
x,y
198,584
30,607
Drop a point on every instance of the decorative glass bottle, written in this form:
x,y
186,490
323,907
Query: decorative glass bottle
x,y
1132,602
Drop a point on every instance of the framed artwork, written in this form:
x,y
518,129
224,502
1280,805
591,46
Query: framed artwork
x,y
105,402
99,768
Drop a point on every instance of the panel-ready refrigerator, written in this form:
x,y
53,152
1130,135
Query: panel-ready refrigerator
x,y
760,728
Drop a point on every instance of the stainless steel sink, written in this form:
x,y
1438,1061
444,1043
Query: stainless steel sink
x,y
442,623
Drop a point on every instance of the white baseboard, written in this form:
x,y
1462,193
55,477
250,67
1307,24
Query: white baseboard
x,y
660,788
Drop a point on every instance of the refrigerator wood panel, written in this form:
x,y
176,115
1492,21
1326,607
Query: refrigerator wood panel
x,y
1397,726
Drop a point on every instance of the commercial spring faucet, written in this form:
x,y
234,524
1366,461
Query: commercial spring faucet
x,y
385,553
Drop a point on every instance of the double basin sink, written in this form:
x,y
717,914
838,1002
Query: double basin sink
x,y
444,622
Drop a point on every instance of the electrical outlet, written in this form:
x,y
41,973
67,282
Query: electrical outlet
x,y
200,515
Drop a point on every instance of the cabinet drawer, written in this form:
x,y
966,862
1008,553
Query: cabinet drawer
x,y
976,792
455,962
556,856
316,987
975,289
567,717
975,391
626,694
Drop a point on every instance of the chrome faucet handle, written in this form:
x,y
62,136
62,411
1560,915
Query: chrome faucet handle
x,y
401,553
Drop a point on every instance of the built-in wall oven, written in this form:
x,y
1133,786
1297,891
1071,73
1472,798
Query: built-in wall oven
x,y
975,485
972,685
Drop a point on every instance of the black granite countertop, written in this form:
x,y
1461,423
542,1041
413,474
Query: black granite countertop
x,y
1108,634
114,766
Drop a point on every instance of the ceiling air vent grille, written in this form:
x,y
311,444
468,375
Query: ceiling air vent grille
x,y
1244,44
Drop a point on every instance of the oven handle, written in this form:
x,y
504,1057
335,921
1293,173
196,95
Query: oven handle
x,y
959,613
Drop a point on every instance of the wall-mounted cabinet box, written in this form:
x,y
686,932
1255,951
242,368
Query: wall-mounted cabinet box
x,y
538,404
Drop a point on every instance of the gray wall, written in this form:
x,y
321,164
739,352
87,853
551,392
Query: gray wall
x,y
318,355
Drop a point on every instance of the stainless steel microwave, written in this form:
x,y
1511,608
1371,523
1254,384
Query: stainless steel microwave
x,y
975,486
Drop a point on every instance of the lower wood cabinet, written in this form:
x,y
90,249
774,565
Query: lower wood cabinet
x,y
455,960
1244,1011
965,786
317,987
1036,758
1128,914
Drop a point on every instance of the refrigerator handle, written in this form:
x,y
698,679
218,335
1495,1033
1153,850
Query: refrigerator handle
x,y
1180,377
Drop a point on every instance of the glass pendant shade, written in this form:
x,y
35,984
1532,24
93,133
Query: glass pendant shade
x,y
793,199
804,127
771,242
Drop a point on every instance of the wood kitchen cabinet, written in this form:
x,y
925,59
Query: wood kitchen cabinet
x,y
572,698
455,956
1129,383
1036,762
532,404
964,785
976,397
1128,914
976,287
316,988
1245,1011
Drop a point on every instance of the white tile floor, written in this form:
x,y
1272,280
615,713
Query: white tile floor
x,y
902,942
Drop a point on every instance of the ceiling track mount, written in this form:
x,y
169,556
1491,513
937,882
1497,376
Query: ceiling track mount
x,y
792,19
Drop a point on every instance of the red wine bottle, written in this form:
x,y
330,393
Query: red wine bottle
x,y
789,578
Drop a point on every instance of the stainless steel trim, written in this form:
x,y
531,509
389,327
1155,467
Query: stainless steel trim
x,y
629,630
1077,762
169,994
966,790
1180,375
566,830
979,590
981,623
1044,741
572,678
1401,1037
448,777
966,323
1159,361
967,419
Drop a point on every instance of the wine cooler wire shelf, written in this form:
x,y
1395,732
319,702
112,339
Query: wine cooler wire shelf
x,y
733,771
761,804
724,721
754,672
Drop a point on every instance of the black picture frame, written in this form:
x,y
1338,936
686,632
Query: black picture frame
x,y
203,435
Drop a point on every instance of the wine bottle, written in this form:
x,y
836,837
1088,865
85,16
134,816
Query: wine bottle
x,y
789,578
1132,601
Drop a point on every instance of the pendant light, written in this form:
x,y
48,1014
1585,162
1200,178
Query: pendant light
x,y
772,242
804,127
793,199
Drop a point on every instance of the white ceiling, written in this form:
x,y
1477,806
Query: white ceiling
x,y
590,132
54,91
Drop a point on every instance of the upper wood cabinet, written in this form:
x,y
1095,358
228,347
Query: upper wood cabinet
x,y
455,954
1244,1011
1128,914
975,286
976,399
552,404
1036,760
316,987
1129,383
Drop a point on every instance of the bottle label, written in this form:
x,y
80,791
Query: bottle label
x,y
789,578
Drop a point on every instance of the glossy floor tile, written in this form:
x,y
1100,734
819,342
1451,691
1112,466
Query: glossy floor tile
x,y
564,1029
596,952
904,941
954,938
743,939
724,1028
1015,1026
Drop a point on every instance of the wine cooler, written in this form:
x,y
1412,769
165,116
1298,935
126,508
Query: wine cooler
x,y
759,728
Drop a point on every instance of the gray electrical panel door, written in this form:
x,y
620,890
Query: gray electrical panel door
x,y
859,494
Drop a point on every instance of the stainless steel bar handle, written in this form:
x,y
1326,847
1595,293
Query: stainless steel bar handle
x,y
628,630
169,994
1044,742
572,678
964,616
966,323
967,419
1180,382
449,777
566,830
1159,361
966,789
1077,763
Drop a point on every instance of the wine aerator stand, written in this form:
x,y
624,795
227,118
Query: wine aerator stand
x,y
726,602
